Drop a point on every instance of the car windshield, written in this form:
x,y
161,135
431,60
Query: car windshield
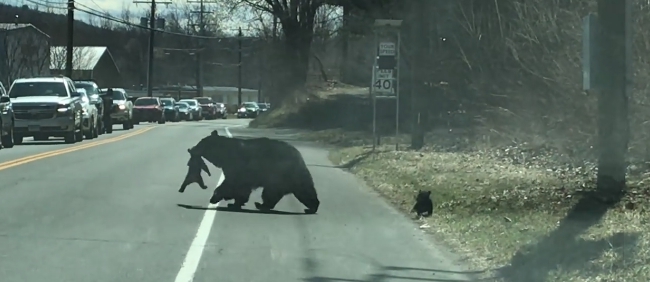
x,y
118,95
182,105
32,89
90,88
250,105
262,106
204,100
167,102
146,102
190,102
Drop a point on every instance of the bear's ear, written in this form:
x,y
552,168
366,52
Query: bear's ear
x,y
189,150
215,133
428,193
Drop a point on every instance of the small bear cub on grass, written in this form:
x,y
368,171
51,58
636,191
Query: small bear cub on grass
x,y
194,167
423,204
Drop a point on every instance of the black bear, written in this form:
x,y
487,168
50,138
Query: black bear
x,y
194,168
248,164
423,204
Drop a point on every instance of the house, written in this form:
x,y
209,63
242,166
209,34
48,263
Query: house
x,y
24,52
88,62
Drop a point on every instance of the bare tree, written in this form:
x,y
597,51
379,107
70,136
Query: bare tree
x,y
26,54
81,56
296,18
105,21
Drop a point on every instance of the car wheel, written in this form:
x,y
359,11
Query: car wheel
x,y
89,134
96,132
8,140
79,135
162,120
126,125
100,127
70,137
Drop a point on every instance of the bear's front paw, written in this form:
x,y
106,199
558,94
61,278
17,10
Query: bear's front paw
x,y
214,200
260,206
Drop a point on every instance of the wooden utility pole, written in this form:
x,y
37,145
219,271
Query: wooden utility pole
x,y
614,46
70,44
239,60
152,33
202,32
418,29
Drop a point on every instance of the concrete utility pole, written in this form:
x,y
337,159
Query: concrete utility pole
x,y
613,78
70,44
202,32
152,33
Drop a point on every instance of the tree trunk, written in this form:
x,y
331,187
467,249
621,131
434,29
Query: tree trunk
x,y
613,124
345,32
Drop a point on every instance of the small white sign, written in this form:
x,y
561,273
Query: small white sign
x,y
383,74
387,49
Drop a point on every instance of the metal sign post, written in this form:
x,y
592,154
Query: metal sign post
x,y
385,71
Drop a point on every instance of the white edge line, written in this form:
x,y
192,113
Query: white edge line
x,y
193,257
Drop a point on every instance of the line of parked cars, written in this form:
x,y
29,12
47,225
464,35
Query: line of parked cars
x,y
45,107
163,109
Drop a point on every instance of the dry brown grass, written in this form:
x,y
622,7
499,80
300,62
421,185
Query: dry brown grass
x,y
496,212
500,206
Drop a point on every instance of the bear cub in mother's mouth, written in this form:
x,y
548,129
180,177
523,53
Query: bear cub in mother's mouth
x,y
194,168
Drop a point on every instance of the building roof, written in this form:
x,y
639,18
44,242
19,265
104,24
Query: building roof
x,y
83,57
14,26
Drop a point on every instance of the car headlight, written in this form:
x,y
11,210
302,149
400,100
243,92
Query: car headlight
x,y
121,107
242,110
63,108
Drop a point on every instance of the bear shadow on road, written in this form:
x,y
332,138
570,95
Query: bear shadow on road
x,y
44,143
226,209
382,275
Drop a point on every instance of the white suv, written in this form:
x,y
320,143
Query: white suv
x,y
46,107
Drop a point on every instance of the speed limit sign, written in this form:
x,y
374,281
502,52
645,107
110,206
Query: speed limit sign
x,y
383,82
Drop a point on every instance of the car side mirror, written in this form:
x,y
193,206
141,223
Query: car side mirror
x,y
5,99
76,94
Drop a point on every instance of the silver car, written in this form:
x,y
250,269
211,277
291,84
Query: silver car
x,y
195,108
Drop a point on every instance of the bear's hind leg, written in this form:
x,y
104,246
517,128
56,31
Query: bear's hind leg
x,y
310,201
270,199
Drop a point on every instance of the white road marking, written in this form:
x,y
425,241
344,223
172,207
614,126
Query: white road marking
x,y
193,257
227,132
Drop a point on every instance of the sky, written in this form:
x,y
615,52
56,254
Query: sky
x,y
229,25
114,7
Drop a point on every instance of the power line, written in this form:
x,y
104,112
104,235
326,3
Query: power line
x,y
121,21
199,61
152,33
48,5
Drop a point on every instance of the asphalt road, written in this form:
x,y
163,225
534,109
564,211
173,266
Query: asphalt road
x,y
111,212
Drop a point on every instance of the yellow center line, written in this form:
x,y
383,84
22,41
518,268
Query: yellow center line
x,y
58,152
